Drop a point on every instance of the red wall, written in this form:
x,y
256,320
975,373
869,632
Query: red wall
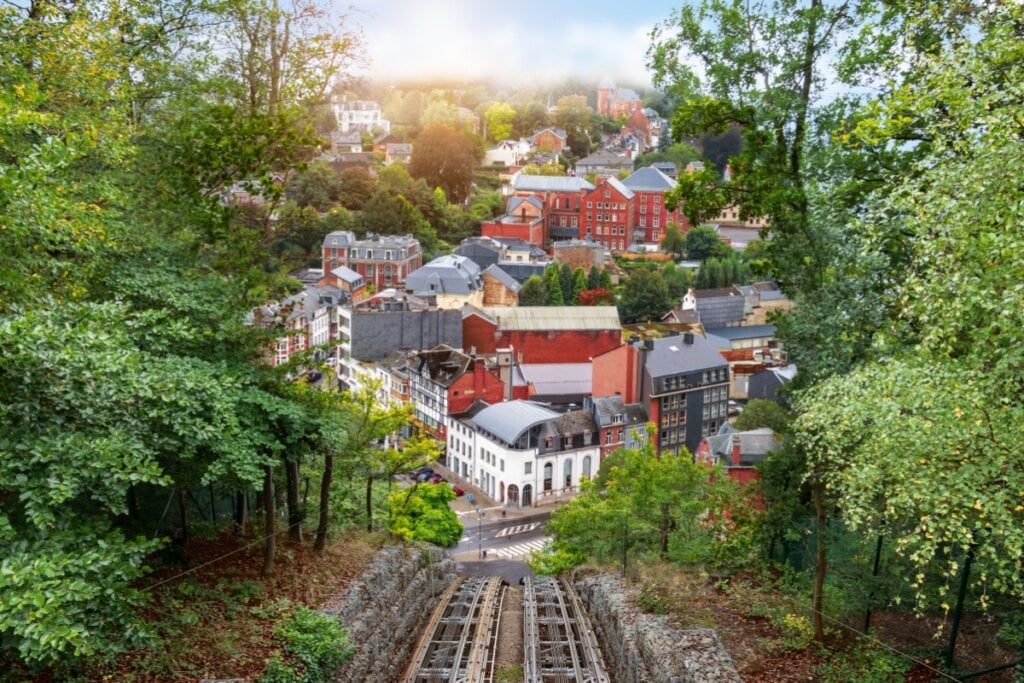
x,y
559,346
478,384
532,232
615,372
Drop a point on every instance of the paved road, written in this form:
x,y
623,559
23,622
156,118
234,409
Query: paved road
x,y
510,570
512,539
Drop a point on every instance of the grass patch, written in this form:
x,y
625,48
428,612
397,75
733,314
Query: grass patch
x,y
512,674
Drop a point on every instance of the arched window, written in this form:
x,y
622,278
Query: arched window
x,y
567,470
586,467
548,476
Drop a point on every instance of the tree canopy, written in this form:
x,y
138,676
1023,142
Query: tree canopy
x,y
445,158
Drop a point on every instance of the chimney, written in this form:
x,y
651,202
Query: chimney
x,y
737,448
688,338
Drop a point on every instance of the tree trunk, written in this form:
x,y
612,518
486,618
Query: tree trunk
x,y
369,503
325,504
665,523
183,516
819,566
133,505
241,513
291,468
268,523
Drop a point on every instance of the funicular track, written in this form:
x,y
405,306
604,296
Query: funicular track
x,y
558,642
459,642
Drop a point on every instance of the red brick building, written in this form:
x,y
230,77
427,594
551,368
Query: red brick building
x,y
444,381
561,197
649,186
549,139
524,219
608,214
614,102
543,334
382,260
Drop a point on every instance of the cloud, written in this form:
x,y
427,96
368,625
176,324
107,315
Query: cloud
x,y
459,39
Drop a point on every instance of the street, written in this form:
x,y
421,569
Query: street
x,y
508,539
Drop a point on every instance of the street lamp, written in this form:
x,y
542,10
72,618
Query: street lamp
x,y
479,532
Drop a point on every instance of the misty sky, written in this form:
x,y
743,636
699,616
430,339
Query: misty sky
x,y
512,42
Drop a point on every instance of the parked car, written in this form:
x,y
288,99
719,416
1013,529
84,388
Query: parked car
x,y
424,476
457,491
435,478
734,408
420,470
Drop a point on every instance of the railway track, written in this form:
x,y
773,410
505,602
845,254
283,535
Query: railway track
x,y
460,640
558,642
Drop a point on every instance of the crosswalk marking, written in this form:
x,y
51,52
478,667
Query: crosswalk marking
x,y
520,551
509,530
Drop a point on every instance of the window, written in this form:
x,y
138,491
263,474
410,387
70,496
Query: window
x,y
567,441
567,472
608,437
548,476
503,464
586,467
574,219
657,199
657,223
643,208
607,193
528,468
590,205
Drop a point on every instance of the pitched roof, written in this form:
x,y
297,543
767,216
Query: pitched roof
x,y
755,444
504,278
613,160
620,188
560,132
672,356
509,419
451,274
549,183
559,379
532,200
346,274
649,179
339,238
607,407
555,318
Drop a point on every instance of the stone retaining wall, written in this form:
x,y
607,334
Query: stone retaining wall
x,y
644,648
387,607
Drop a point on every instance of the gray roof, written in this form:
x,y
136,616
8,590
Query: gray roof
x,y
560,132
586,242
649,179
504,278
509,419
607,407
619,187
559,379
672,356
339,238
398,148
754,444
550,318
451,274
549,183
346,274
719,307
742,332
625,94
532,200
614,160
522,271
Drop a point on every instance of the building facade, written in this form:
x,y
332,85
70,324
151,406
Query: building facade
x,y
382,260
608,214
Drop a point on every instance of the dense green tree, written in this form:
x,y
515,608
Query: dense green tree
x,y
761,413
553,285
677,280
529,119
357,186
565,279
387,214
317,186
762,70
500,118
703,242
445,158
644,297
573,115
422,513
674,241
534,292
593,278
579,285
679,154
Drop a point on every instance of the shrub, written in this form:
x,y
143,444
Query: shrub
x,y
317,644
865,663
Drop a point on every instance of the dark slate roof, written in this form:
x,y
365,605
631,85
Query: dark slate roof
x,y
672,355
607,407
574,422
559,379
669,168
346,275
504,278
681,315
522,271
509,419
649,179
742,332
449,274
443,364
719,307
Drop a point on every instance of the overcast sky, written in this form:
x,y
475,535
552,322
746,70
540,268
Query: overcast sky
x,y
511,42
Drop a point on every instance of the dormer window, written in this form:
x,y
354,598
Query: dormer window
x,y
567,441
549,441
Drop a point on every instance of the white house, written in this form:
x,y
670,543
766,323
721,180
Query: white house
x,y
521,453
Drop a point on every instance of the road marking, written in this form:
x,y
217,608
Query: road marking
x,y
509,530
520,551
